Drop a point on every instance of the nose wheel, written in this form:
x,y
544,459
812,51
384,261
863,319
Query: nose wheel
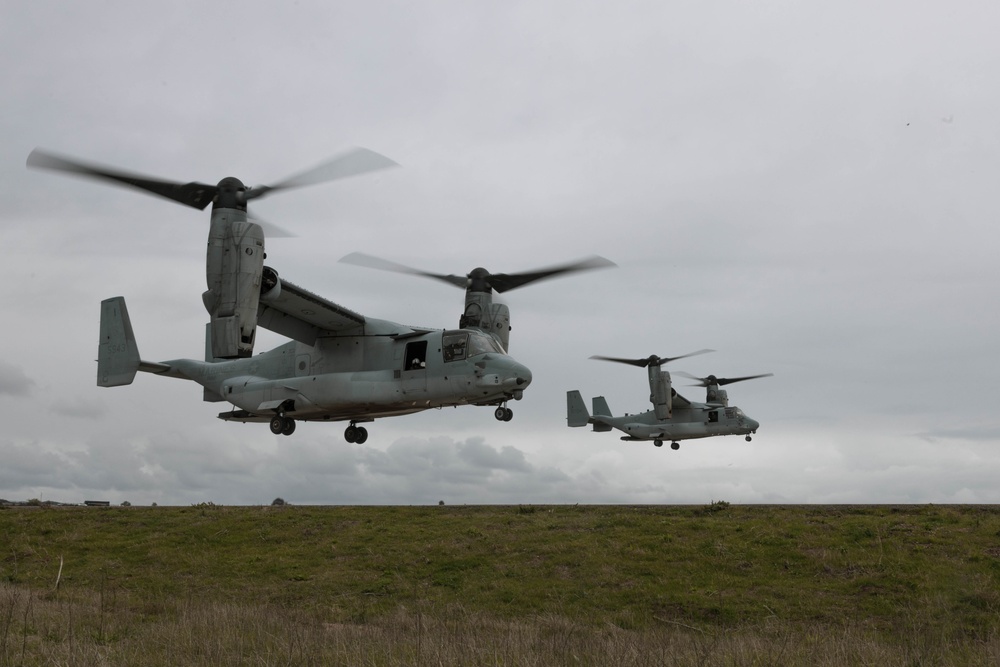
x,y
749,438
503,414
281,425
356,434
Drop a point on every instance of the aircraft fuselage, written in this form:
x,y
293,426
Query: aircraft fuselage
x,y
686,424
361,377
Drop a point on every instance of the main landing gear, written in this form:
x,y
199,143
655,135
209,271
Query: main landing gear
x,y
673,445
356,434
503,414
281,425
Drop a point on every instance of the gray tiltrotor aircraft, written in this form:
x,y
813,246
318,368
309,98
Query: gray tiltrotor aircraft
x,y
673,417
339,365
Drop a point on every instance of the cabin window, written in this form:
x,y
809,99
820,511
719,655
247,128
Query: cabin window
x,y
416,356
454,345
713,416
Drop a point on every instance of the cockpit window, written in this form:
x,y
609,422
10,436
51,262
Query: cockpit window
x,y
454,345
482,344
458,345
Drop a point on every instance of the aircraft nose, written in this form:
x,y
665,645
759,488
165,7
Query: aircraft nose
x,y
753,424
520,374
504,373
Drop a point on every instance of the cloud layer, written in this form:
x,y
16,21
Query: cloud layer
x,y
807,189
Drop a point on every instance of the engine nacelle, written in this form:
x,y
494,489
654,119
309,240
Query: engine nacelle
x,y
660,392
715,395
482,313
233,270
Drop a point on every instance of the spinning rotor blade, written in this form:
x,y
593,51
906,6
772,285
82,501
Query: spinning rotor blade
x,y
720,382
196,195
271,230
479,279
503,282
353,163
652,360
367,261
200,195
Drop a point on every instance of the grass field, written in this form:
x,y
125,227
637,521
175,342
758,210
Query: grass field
x,y
501,585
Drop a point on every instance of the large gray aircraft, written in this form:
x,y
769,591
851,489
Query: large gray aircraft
x,y
673,417
339,365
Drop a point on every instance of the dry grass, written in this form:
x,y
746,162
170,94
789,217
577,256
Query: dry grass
x,y
501,586
79,629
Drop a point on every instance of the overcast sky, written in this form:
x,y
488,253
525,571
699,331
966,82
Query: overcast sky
x,y
808,188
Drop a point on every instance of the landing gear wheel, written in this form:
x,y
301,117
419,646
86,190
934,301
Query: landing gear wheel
x,y
658,443
749,438
277,424
675,446
289,427
501,414
356,434
508,414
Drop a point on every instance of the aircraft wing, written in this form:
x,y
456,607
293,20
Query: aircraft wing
x,y
679,401
303,316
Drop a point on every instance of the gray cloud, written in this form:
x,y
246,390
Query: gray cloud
x,y
13,380
777,185
80,407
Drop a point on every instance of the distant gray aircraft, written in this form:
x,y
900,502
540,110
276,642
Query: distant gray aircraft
x,y
673,417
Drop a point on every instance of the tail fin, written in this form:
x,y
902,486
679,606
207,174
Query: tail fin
x,y
601,407
117,354
576,409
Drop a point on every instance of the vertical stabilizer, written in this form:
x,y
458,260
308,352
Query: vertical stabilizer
x,y
117,354
576,409
601,412
601,407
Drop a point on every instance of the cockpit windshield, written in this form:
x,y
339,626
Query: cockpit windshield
x,y
480,343
458,345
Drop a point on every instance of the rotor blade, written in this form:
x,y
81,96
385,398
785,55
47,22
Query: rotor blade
x,y
724,381
196,195
503,282
664,360
650,360
354,162
711,379
271,230
368,261
641,363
